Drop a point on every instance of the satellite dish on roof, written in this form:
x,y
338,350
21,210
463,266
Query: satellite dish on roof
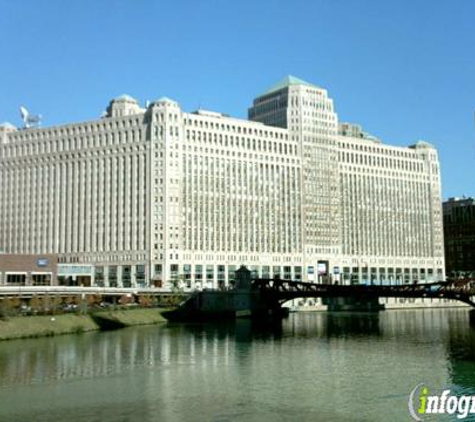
x,y
29,120
24,113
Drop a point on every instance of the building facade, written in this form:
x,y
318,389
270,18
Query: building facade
x,y
28,270
153,196
459,234
391,222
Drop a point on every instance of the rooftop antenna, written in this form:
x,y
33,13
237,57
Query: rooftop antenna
x,y
29,120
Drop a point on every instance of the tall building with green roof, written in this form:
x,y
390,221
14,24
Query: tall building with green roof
x,y
307,112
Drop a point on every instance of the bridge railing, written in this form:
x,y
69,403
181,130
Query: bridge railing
x,y
465,287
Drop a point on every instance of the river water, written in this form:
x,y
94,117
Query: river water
x,y
310,367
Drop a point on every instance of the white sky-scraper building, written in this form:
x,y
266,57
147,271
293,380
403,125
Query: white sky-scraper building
x,y
147,195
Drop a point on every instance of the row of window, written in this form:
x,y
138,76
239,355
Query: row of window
x,y
253,144
72,144
381,161
202,123
22,279
382,150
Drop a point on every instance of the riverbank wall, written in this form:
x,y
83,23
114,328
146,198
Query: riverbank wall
x,y
51,325
316,304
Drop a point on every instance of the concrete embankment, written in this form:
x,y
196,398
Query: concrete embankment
x,y
127,318
51,325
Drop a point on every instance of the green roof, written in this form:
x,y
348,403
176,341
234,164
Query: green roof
x,y
7,125
125,97
422,144
286,82
165,100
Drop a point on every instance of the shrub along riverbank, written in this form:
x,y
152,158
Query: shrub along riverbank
x,y
50,325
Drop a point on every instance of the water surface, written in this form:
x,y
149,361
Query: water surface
x,y
312,366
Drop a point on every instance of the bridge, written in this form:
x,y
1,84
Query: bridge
x,y
260,296
265,297
275,292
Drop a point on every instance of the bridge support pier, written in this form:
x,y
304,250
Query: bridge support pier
x,y
472,317
359,304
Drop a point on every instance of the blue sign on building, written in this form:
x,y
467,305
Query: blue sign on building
x,y
42,262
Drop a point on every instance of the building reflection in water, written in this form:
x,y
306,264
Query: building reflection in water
x,y
103,354
173,372
461,351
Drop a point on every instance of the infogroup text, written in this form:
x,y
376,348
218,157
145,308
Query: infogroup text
x,y
421,402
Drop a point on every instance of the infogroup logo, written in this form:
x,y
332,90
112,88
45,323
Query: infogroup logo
x,y
421,402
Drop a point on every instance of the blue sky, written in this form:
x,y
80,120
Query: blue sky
x,y
405,70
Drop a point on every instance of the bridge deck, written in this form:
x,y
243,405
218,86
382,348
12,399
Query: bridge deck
x,y
283,290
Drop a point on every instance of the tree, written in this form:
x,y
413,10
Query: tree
x,y
35,304
145,301
56,302
6,308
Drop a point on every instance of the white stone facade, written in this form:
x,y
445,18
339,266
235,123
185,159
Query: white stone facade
x,y
160,194
391,211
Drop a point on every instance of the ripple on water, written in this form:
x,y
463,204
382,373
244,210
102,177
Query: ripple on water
x,y
312,366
